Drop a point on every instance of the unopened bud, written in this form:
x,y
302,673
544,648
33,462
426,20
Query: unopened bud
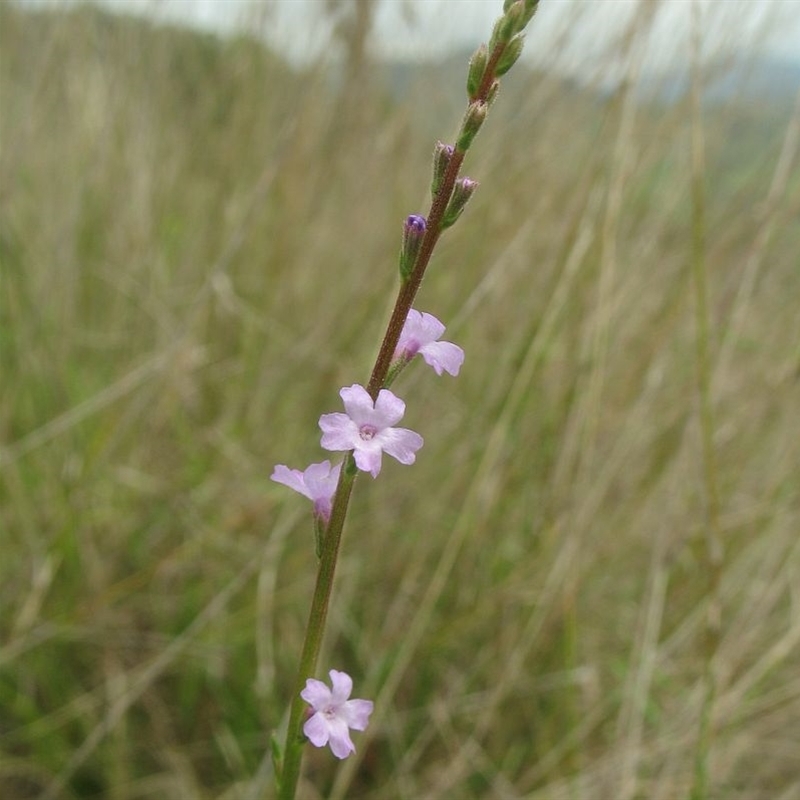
x,y
441,159
413,234
462,191
514,16
510,55
508,24
477,66
530,10
473,119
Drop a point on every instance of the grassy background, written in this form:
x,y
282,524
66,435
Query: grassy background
x,y
198,248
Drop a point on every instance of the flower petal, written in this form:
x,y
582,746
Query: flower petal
x,y
358,404
340,741
443,356
401,443
339,432
427,327
419,329
356,713
292,478
389,408
321,479
316,694
369,459
342,685
317,729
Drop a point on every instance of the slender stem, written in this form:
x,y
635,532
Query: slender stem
x,y
293,748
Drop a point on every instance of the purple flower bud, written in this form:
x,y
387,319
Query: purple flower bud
x,y
415,226
413,234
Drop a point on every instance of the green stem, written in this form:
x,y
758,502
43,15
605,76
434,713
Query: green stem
x,y
293,749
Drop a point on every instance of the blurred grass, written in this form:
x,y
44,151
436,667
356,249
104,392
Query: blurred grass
x,y
197,249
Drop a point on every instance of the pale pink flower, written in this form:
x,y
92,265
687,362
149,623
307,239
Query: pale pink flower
x,y
334,714
317,483
421,335
366,428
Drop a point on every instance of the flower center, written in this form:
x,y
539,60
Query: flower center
x,y
367,432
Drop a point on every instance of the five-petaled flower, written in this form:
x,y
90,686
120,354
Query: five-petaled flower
x,y
317,483
420,335
367,429
334,714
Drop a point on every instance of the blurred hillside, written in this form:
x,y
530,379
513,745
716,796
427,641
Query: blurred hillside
x,y
198,247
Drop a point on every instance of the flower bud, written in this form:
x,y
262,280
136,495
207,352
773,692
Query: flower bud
x,y
441,159
510,55
413,234
530,10
508,24
477,66
476,114
514,16
462,191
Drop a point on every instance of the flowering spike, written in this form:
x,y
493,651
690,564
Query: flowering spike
x,y
441,159
421,334
413,234
334,714
462,191
366,428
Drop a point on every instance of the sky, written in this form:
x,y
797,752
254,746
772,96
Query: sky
x,y
565,34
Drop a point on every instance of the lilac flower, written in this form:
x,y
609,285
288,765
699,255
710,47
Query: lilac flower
x,y
420,335
366,429
334,713
317,483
